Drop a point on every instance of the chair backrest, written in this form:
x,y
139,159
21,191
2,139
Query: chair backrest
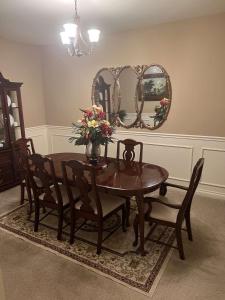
x,y
195,178
43,180
82,176
129,152
22,147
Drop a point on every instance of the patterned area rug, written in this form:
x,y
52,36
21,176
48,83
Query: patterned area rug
x,y
118,261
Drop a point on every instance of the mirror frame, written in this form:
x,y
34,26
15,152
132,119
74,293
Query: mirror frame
x,y
168,84
139,70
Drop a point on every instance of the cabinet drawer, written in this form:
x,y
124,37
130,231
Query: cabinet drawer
x,y
5,157
6,173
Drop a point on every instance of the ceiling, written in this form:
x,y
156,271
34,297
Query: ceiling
x,y
40,21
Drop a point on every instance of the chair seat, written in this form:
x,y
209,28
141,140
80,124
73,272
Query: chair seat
x,y
36,179
163,212
63,191
109,203
172,196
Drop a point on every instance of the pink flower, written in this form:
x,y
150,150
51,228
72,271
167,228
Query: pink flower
x,y
164,102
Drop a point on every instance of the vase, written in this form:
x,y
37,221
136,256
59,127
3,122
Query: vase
x,y
93,152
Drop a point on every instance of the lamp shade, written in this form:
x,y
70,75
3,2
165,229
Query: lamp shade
x,y
70,29
64,38
94,35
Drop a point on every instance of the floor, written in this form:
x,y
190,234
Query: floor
x,y
30,273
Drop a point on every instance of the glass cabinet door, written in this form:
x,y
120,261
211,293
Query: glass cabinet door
x,y
4,139
13,115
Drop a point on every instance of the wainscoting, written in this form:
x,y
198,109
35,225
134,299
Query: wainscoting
x,y
177,153
39,134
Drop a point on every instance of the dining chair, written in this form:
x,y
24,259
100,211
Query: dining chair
x,y
23,147
47,191
129,152
172,213
128,155
93,204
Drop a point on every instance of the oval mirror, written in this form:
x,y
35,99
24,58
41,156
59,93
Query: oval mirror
x,y
128,111
157,95
102,91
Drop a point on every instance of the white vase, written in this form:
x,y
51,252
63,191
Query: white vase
x,y
93,151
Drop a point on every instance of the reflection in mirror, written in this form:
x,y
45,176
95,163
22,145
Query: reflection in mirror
x,y
128,110
102,92
156,95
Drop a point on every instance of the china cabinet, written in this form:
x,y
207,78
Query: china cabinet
x,y
11,128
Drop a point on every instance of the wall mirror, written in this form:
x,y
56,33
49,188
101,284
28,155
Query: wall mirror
x,y
138,96
156,96
127,110
103,91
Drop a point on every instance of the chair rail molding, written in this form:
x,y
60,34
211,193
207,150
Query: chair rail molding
x,y
176,152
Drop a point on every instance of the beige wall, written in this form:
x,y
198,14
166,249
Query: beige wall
x,y
23,63
192,52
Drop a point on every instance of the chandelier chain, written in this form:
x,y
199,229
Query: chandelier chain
x,y
75,6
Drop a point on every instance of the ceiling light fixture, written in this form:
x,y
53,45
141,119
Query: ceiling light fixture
x,y
73,39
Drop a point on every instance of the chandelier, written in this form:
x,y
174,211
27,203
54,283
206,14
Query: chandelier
x,y
72,37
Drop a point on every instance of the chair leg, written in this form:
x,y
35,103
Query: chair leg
x,y
180,243
29,195
22,190
188,225
100,231
43,209
135,226
124,219
60,224
127,212
37,213
72,225
162,190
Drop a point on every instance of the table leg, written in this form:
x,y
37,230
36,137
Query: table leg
x,y
140,205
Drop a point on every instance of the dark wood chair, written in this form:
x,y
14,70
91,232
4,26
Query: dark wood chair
x,y
172,214
92,205
47,192
128,155
129,152
23,147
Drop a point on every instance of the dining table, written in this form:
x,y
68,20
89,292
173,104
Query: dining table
x,y
117,176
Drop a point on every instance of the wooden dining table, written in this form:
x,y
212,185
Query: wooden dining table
x,y
128,179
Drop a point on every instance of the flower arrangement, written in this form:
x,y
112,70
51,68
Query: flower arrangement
x,y
161,110
92,128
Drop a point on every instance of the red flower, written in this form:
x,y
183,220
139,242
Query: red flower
x,y
101,115
106,130
89,113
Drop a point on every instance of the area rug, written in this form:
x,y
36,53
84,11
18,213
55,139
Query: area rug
x,y
118,260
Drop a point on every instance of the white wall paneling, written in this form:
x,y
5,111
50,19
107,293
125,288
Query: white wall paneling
x,y
177,153
40,138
